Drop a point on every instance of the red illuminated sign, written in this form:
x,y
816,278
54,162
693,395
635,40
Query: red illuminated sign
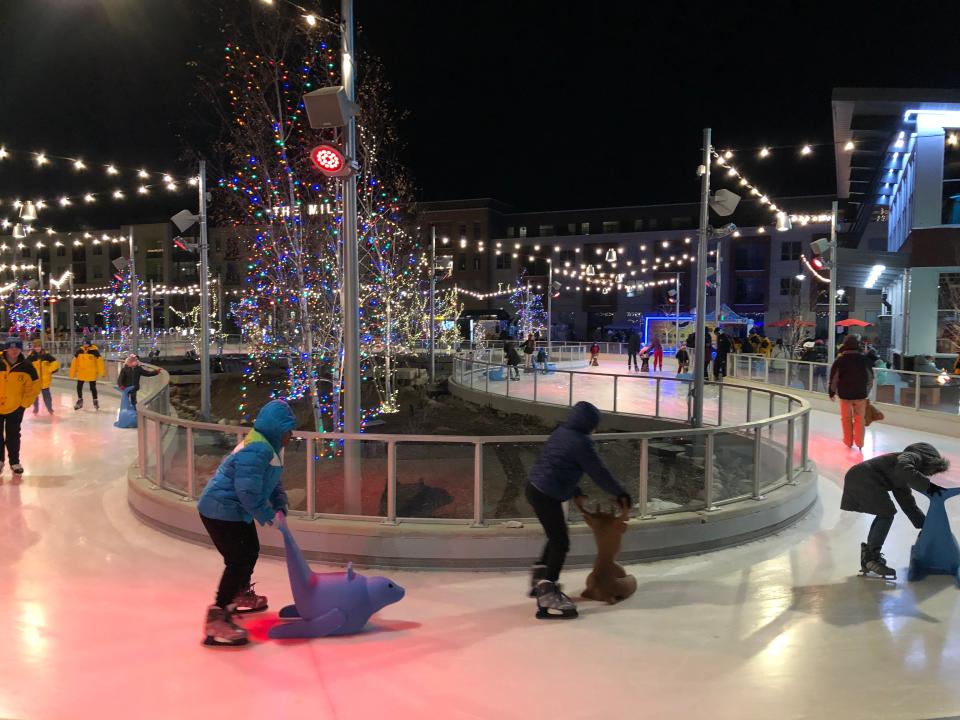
x,y
328,159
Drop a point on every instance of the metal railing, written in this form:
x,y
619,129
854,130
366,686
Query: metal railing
x,y
934,392
478,479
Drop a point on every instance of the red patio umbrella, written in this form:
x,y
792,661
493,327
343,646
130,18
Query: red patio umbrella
x,y
852,322
788,323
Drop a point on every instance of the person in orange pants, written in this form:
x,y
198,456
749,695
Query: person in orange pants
x,y
851,377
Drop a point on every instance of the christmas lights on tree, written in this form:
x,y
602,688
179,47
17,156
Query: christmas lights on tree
x,y
118,314
528,307
23,307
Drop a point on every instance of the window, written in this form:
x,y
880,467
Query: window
x,y
652,224
547,230
750,290
681,222
611,226
477,232
637,225
948,317
789,286
523,231
790,250
476,262
61,251
571,228
25,251
78,254
463,231
749,256
510,231
503,261
462,262
97,273
585,228
98,249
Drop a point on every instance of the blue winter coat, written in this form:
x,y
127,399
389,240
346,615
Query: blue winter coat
x,y
247,483
568,454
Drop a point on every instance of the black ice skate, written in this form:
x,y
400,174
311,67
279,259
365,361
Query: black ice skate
x,y
873,564
96,405
220,629
78,405
537,573
552,603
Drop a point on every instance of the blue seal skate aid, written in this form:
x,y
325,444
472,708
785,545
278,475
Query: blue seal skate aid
x,y
127,417
329,603
936,551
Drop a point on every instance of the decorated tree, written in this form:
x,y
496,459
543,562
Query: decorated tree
x,y
528,307
118,312
23,306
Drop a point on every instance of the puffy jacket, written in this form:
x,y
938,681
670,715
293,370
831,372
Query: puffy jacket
x,y
19,384
568,454
723,345
130,376
851,376
633,344
45,364
247,484
87,364
867,484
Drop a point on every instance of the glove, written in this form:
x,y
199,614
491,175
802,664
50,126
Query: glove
x,y
833,396
934,490
625,500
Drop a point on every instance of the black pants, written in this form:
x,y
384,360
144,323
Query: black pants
x,y
878,531
719,366
10,435
237,541
93,389
631,358
550,514
133,397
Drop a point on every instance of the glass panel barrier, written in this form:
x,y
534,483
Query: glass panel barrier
x,y
173,444
594,388
773,457
435,480
295,474
732,466
622,457
676,474
210,447
329,475
506,467
150,427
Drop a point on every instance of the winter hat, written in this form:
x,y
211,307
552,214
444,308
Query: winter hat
x,y
14,341
132,360
851,342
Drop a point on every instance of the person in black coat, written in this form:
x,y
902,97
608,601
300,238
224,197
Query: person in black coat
x,y
513,359
851,377
867,487
130,375
554,479
633,347
723,349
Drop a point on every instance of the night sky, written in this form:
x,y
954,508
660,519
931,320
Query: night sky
x,y
545,105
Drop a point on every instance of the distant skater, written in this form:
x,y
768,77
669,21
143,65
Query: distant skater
x,y
87,367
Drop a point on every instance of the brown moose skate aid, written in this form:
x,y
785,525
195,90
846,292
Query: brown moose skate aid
x,y
608,581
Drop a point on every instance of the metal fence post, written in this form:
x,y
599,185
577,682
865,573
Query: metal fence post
x,y
916,392
311,477
486,380
158,444
656,413
142,445
644,477
810,377
478,484
749,368
508,381
708,471
757,440
615,378
766,370
749,402
770,414
805,450
535,373
720,405
391,483
191,471
570,401
790,428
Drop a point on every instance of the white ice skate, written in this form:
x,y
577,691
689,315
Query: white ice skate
x,y
552,603
220,629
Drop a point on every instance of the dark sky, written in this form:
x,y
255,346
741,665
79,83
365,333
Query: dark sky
x,y
545,105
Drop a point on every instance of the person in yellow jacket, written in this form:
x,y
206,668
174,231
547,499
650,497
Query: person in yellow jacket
x,y
46,365
19,387
86,367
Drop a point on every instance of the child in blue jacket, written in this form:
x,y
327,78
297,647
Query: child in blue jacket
x,y
554,479
245,488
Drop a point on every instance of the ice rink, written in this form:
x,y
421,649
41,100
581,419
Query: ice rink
x,y
104,618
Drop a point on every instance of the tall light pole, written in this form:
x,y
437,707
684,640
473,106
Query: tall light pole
x,y
40,293
717,282
73,321
134,298
832,303
204,299
433,305
696,418
549,307
351,279
677,319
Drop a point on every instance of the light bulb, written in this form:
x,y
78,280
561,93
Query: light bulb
x,y
806,150
79,165
3,153
764,152
849,146
88,198
111,170
41,160
728,154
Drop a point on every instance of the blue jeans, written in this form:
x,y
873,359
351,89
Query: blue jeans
x,y
47,401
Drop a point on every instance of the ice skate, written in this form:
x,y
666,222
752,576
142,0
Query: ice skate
x,y
873,564
78,404
537,573
221,630
552,603
96,405
17,468
1,467
247,601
